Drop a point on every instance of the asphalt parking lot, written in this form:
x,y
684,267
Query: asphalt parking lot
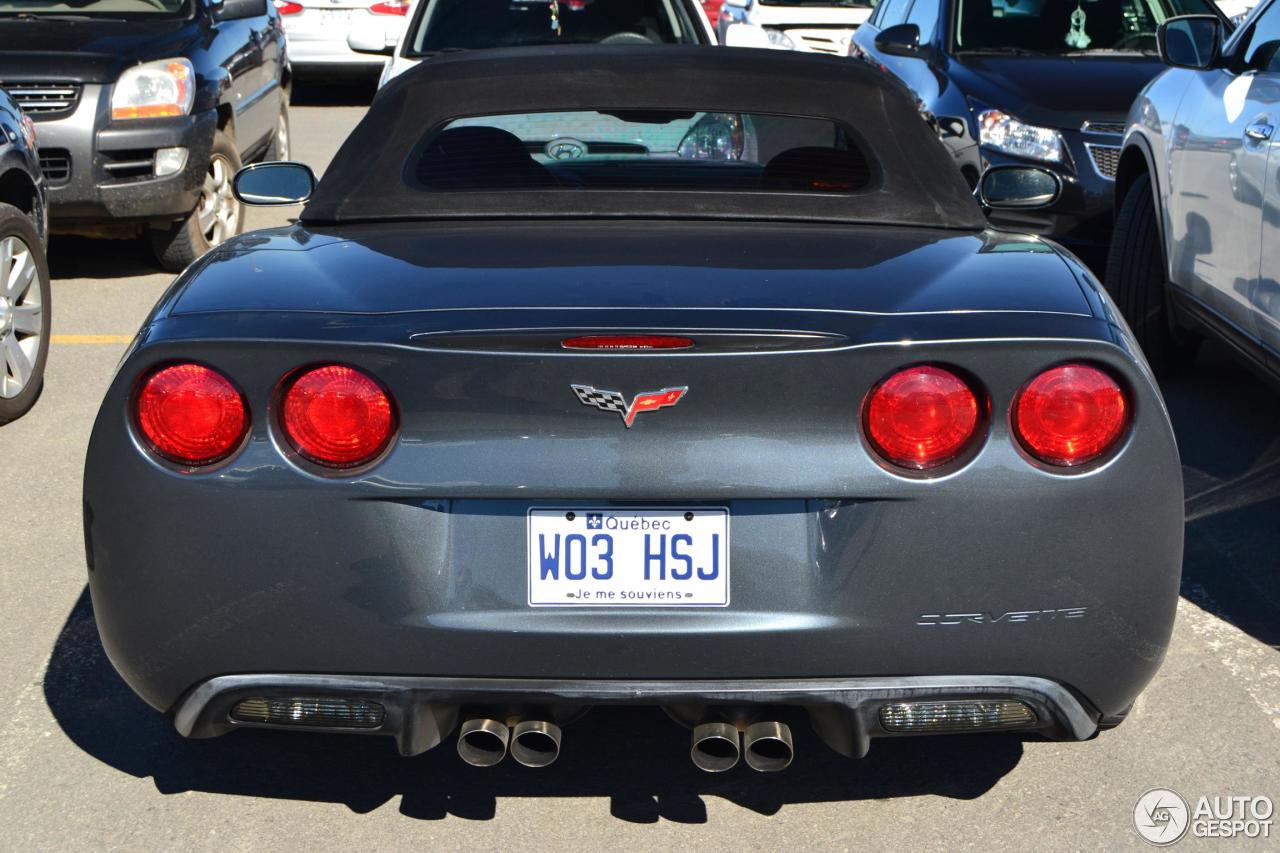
x,y
86,764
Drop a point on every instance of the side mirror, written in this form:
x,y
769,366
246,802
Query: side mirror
x,y
234,10
1018,188
374,36
746,35
1190,41
275,183
902,40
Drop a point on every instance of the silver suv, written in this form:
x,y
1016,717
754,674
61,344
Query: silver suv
x,y
1196,248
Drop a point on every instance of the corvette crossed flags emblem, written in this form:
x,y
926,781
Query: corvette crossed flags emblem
x,y
613,401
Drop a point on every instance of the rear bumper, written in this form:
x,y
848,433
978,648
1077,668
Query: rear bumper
x,y
98,171
315,43
838,569
421,712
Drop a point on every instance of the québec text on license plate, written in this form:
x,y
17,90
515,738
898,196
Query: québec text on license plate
x,y
649,557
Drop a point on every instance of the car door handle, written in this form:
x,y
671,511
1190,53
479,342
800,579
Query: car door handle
x,y
1259,131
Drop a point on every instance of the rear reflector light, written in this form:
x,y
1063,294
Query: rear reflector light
x,y
394,7
310,711
286,8
921,417
956,716
337,416
191,414
627,342
1070,415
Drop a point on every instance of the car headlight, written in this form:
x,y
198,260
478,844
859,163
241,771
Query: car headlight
x,y
1005,133
716,136
779,39
154,89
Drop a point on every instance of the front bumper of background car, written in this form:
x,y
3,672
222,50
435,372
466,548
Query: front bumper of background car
x,y
1081,219
100,171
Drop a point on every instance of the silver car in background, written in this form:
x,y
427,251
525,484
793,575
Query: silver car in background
x,y
318,29
1196,250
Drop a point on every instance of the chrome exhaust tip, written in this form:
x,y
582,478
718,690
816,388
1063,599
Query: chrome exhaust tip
x,y
535,743
482,742
715,747
767,747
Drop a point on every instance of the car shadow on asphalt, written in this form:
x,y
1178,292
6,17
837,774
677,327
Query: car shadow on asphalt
x,y
1227,423
349,91
82,257
635,756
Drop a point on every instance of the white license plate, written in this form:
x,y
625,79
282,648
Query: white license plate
x,y
667,557
335,16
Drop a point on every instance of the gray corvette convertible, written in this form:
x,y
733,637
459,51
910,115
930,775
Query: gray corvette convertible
x,y
510,425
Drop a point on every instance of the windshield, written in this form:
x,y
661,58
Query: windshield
x,y
641,150
91,8
1067,26
512,23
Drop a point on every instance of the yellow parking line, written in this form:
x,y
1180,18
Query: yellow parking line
x,y
90,339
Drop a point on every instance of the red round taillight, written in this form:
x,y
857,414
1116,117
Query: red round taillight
x,y
191,414
921,417
1070,415
337,416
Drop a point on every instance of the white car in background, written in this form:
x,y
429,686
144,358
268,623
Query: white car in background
x,y
812,26
439,25
317,32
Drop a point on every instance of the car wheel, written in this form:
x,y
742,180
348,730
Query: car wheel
x,y
1136,280
217,217
279,147
24,313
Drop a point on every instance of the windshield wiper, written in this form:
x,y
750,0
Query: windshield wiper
x,y
58,16
1127,51
1005,51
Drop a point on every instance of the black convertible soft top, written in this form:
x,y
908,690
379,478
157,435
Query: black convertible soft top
x,y
917,182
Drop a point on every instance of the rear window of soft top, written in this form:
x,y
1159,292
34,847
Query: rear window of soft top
x,y
642,150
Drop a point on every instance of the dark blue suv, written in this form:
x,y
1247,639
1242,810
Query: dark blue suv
x,y
1043,82
146,110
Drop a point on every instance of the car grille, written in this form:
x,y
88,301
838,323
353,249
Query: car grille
x,y
1115,128
1106,159
831,41
44,100
55,164
123,165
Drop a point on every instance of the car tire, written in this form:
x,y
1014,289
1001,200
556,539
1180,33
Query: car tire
x,y
24,333
279,147
1136,280
217,217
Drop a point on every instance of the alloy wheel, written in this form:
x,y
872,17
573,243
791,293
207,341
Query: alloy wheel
x,y
20,316
219,212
